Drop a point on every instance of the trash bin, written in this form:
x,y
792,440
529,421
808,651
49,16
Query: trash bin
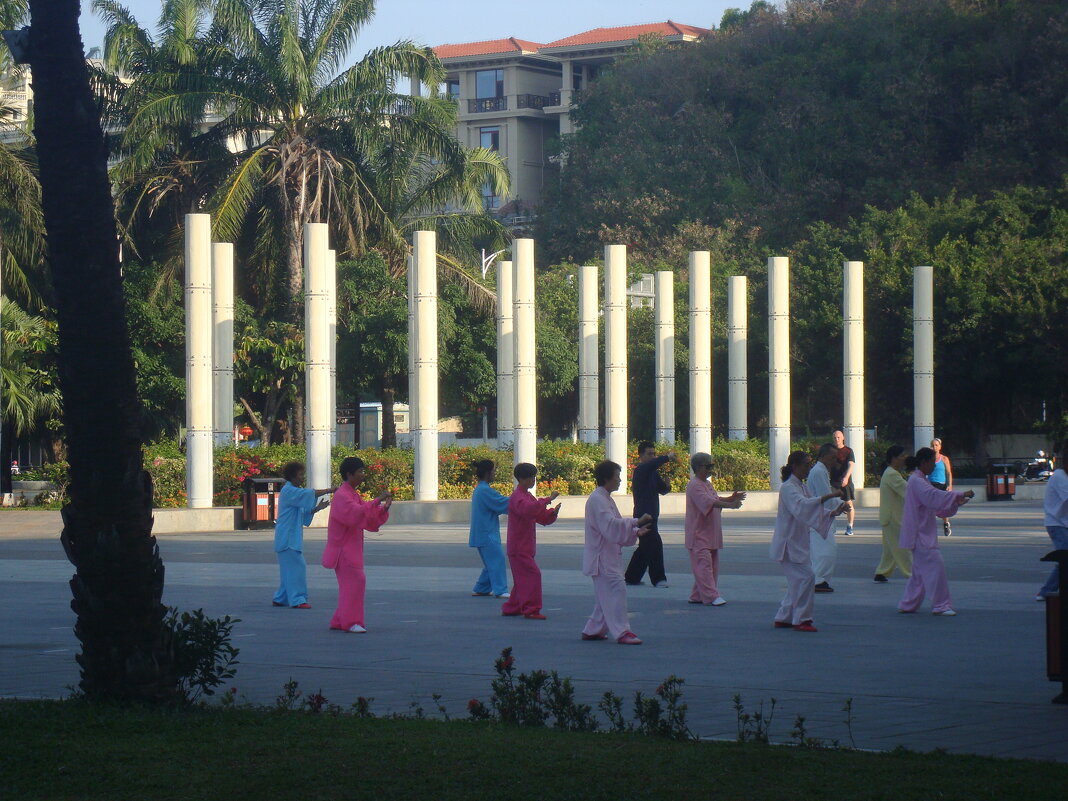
x,y
1000,481
258,504
1057,628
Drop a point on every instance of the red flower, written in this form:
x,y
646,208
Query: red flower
x,y
474,703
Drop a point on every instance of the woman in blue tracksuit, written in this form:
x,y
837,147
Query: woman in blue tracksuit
x,y
487,505
296,508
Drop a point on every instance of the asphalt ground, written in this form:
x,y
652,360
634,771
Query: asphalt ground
x,y
975,683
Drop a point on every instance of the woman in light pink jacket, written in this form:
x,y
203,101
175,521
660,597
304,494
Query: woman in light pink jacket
x,y
350,516
704,530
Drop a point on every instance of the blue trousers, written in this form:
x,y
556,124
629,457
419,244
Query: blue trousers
x,y
1059,535
494,576
293,588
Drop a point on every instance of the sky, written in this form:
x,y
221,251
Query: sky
x,y
435,22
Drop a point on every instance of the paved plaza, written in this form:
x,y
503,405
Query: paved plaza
x,y
975,683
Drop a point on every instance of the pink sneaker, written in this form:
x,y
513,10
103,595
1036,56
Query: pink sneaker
x,y
629,638
805,625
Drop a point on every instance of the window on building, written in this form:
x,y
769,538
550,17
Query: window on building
x,y
490,138
490,201
489,84
452,89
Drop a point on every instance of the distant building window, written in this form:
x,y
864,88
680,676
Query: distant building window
x,y
452,89
490,138
490,201
489,83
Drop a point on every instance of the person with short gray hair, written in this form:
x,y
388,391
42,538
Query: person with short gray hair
x,y
704,530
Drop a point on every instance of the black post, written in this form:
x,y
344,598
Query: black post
x,y
1058,639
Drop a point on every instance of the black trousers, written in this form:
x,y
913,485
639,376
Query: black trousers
x,y
649,555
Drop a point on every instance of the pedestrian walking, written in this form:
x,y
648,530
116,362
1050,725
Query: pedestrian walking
x,y
647,485
942,477
296,508
923,502
1055,507
844,476
606,531
524,510
704,530
892,487
487,506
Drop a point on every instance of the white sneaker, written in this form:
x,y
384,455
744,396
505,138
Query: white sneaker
x,y
661,585
945,613
356,628
503,595
719,601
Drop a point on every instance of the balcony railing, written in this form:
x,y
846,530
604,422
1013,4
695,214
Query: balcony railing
x,y
484,104
532,101
554,99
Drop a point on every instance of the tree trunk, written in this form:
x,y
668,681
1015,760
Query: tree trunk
x,y
389,419
298,418
107,522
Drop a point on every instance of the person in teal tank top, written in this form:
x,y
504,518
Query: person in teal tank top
x,y
942,477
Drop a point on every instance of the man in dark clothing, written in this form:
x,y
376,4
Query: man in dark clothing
x,y
647,485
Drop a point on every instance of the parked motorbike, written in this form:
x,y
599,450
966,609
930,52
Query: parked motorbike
x,y
1039,468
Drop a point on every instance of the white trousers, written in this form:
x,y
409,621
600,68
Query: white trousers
x,y
797,604
609,608
824,554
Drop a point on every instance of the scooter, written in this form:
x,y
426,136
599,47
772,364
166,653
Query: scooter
x,y
1038,469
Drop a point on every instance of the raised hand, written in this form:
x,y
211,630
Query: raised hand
x,y
554,496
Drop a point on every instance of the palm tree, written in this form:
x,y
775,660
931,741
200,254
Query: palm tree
x,y
28,394
107,523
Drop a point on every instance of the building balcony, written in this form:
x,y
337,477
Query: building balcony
x,y
485,104
532,101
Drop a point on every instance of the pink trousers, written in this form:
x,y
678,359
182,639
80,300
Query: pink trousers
x,y
928,576
526,587
705,564
610,607
351,589
800,595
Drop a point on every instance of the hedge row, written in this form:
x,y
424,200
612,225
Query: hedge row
x,y
565,467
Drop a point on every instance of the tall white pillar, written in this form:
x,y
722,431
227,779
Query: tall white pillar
x,y
317,354
853,364
526,390
222,323
737,356
589,427
778,365
424,394
615,356
700,268
331,289
664,307
923,356
198,355
505,356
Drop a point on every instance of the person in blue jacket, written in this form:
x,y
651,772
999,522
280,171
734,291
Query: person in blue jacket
x,y
487,505
296,507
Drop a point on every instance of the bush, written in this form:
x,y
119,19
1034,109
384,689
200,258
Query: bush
x,y
203,655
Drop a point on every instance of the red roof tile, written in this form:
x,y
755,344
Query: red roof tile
x,y
509,45
627,33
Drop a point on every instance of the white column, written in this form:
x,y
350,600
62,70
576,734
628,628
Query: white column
x,y
664,307
615,356
923,356
222,323
700,269
778,365
317,354
737,356
526,399
505,356
853,364
198,347
331,289
424,404
589,380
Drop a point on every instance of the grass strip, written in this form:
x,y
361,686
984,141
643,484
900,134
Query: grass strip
x,y
77,750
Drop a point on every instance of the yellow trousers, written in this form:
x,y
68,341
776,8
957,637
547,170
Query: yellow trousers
x,y
893,554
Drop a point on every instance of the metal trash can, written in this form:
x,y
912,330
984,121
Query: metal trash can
x,y
258,501
1000,481
1057,628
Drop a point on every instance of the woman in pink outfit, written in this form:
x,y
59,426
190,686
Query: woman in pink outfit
x,y
350,516
704,530
919,534
524,510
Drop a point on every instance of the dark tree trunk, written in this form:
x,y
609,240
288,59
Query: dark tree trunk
x,y
107,523
389,419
